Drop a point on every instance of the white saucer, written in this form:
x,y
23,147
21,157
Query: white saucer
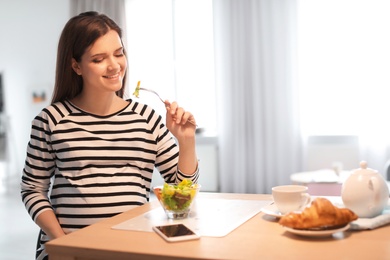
x,y
271,210
316,233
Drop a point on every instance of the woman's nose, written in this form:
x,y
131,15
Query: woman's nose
x,y
113,64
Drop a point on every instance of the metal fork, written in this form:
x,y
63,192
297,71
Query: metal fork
x,y
154,92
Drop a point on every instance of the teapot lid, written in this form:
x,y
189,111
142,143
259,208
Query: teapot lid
x,y
363,168
363,165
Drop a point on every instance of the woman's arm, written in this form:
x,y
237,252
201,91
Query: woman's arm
x,y
48,222
177,121
188,161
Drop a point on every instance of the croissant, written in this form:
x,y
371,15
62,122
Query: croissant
x,y
321,214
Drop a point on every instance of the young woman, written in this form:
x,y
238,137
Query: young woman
x,y
92,153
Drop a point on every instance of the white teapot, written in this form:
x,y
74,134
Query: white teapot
x,y
365,192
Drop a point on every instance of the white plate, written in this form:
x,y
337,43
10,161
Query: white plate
x,y
316,233
271,210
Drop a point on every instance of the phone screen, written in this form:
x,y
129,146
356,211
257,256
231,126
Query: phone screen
x,y
176,230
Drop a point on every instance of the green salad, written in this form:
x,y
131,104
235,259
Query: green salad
x,y
136,91
178,197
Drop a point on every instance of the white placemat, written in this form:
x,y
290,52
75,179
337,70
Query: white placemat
x,y
208,217
372,223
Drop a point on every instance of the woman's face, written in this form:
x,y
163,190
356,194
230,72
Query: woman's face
x,y
103,65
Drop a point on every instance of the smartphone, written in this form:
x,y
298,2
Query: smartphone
x,y
175,232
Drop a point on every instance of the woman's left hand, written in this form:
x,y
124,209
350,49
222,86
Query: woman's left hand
x,y
179,122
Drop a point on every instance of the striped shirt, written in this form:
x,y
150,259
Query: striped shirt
x,y
95,166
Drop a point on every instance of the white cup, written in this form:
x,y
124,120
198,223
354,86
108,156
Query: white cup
x,y
290,198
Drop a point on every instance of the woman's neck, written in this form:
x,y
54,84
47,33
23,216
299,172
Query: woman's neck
x,y
99,104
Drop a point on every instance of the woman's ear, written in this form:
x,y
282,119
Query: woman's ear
x,y
76,67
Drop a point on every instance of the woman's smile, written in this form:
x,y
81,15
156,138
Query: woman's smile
x,y
113,77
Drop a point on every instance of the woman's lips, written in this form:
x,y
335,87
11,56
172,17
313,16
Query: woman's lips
x,y
115,76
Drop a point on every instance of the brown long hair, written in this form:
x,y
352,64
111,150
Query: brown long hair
x,y
79,33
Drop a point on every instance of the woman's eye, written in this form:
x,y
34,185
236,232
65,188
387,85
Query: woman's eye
x,y
97,60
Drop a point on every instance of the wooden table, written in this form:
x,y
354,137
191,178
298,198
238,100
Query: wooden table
x,y
261,237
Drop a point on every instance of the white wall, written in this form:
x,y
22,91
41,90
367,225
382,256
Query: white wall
x,y
29,36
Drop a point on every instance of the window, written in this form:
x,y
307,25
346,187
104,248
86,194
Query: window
x,y
344,66
170,50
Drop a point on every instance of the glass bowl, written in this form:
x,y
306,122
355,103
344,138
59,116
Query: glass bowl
x,y
176,199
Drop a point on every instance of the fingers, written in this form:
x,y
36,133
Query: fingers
x,y
167,105
178,114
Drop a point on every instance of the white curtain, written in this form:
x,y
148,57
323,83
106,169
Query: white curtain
x,y
259,137
344,78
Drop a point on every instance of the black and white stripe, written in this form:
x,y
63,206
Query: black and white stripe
x,y
95,166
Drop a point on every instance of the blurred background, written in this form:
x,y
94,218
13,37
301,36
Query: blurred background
x,y
277,87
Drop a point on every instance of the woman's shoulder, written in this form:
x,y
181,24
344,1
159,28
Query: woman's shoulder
x,y
62,107
55,111
144,111
140,108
